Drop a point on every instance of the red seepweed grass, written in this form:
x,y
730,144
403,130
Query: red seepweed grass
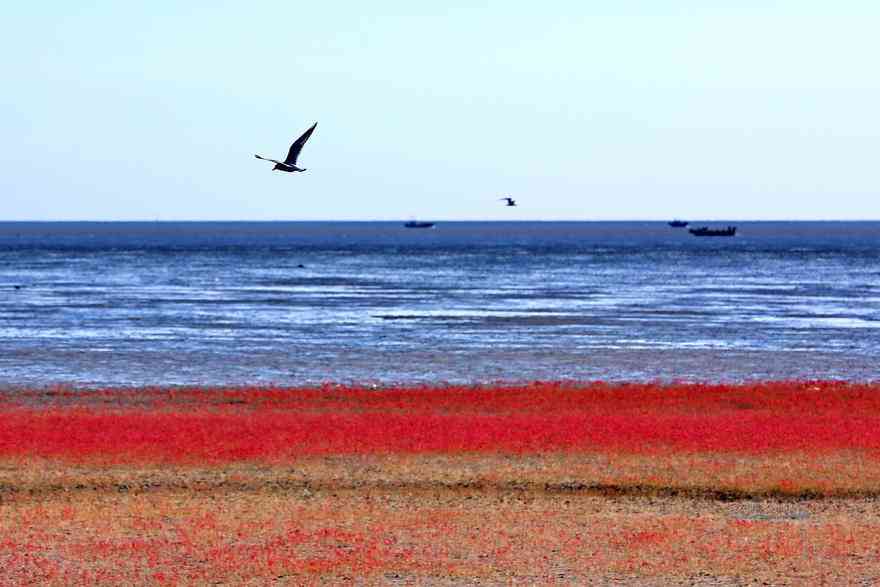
x,y
537,483
205,425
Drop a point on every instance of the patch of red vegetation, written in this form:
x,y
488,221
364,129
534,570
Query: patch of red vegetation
x,y
270,424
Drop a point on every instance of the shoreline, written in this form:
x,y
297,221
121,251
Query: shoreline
x,y
83,369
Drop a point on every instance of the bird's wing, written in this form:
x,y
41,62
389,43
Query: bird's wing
x,y
297,145
267,159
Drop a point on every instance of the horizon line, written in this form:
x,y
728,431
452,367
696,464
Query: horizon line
x,y
436,220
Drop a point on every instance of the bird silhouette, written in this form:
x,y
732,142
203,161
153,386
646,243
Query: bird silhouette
x,y
289,164
510,201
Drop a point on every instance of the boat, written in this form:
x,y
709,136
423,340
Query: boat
x,y
419,224
677,223
706,231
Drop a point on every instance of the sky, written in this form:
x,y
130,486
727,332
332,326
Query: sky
x,y
581,110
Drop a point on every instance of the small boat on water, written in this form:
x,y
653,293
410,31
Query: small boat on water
x,y
419,224
677,223
706,231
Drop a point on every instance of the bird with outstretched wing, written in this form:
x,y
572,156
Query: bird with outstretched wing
x,y
289,164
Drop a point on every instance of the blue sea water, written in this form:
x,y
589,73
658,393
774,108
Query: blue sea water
x,y
145,303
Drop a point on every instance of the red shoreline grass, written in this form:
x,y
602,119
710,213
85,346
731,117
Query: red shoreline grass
x,y
442,485
261,424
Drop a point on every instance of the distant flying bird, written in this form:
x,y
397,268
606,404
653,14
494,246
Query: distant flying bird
x,y
510,201
289,164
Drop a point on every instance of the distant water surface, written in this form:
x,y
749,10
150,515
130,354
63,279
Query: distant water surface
x,y
305,302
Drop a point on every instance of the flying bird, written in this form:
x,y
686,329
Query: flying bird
x,y
510,201
289,164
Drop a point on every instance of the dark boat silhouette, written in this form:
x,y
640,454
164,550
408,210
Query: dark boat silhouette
x,y
418,224
677,223
706,231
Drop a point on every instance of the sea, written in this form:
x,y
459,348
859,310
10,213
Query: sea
x,y
93,304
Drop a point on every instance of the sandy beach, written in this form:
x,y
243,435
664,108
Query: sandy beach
x,y
198,531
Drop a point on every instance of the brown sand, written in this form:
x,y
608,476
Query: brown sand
x,y
415,520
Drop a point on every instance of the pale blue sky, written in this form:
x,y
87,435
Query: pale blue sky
x,y
756,109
